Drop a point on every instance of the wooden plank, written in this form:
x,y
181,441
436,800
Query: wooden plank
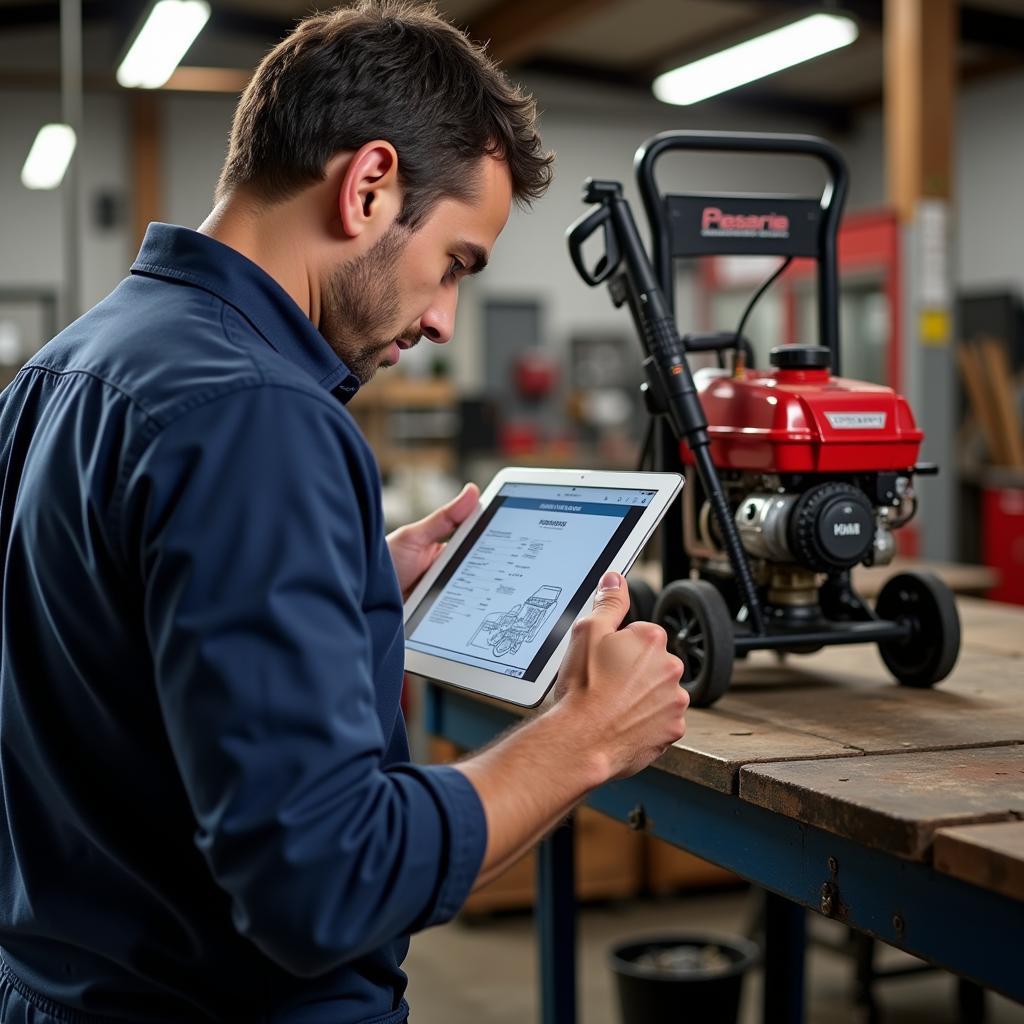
x,y
992,626
999,376
979,671
985,673
961,579
845,695
516,29
991,856
897,802
200,79
717,744
973,375
147,183
994,639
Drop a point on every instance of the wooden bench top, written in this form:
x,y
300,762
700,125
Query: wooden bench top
x,y
831,740
896,802
991,856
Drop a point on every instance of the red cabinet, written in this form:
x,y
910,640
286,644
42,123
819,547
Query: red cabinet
x,y
1002,532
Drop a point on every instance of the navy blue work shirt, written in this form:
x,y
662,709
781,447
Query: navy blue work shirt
x,y
208,812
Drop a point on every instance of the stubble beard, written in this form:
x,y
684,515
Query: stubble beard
x,y
360,305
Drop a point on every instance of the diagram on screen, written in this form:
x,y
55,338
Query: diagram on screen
x,y
504,633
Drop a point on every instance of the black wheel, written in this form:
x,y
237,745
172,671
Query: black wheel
x,y
695,616
641,602
730,591
928,655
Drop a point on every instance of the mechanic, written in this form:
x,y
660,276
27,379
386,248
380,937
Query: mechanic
x,y
208,808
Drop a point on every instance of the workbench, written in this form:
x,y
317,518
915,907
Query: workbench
x,y
896,811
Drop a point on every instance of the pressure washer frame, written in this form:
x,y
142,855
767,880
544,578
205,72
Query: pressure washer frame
x,y
648,289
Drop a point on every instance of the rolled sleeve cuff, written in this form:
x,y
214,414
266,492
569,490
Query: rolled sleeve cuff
x,y
467,838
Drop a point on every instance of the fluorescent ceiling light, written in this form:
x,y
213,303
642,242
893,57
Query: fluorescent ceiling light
x,y
49,156
756,58
163,40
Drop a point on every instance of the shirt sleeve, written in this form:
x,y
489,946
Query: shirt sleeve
x,y
253,518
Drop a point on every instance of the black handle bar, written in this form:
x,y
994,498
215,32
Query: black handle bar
x,y
832,199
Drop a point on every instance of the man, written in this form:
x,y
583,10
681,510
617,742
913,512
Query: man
x,y
209,811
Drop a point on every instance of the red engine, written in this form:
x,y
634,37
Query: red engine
x,y
799,420
818,469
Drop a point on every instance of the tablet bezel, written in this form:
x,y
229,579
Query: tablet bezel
x,y
515,690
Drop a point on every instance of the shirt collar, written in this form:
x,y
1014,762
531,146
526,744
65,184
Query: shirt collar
x,y
179,254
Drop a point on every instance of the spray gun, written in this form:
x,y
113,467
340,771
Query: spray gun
x,y
625,268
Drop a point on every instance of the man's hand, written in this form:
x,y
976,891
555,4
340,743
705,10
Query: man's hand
x,y
622,684
415,547
619,706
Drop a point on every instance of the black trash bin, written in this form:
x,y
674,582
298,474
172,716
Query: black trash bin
x,y
689,978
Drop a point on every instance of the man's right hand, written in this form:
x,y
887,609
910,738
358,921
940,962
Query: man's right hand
x,y
620,687
619,706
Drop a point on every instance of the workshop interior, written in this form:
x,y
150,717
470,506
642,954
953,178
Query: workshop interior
x,y
782,256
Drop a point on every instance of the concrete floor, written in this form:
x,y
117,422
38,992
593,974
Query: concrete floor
x,y
485,972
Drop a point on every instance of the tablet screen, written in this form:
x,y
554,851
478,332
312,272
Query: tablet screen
x,y
521,577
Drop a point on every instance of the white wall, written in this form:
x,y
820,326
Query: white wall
x,y
31,235
196,131
990,170
865,158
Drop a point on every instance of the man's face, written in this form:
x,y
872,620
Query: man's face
x,y
407,285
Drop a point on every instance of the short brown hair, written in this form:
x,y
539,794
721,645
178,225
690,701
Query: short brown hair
x,y
383,69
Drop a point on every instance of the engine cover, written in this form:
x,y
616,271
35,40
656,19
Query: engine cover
x,y
803,420
832,526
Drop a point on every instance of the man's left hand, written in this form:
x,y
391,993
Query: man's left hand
x,y
415,547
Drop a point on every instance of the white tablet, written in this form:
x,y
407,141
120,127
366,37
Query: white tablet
x,y
495,611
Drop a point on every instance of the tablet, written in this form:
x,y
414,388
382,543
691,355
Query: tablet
x,y
494,612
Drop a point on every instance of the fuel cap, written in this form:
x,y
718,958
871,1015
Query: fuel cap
x,y
801,357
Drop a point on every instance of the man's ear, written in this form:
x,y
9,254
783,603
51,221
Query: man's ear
x,y
369,197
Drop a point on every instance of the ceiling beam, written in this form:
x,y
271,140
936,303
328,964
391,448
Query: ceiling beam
x,y
128,19
994,29
211,80
998,30
236,21
867,11
516,29
676,54
835,116
49,81
46,13
227,81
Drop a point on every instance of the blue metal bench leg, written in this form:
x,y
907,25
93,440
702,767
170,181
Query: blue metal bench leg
x,y
785,939
556,925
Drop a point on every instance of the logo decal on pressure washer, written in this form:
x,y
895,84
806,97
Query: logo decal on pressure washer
x,y
716,224
856,420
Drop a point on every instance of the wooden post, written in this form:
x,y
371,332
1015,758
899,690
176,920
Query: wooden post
x,y
147,183
920,84
920,39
